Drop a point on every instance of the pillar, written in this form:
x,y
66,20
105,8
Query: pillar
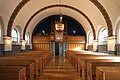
x,y
7,45
23,45
111,44
95,42
30,46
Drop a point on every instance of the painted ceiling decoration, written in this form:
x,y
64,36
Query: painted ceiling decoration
x,y
95,2
14,14
105,14
66,6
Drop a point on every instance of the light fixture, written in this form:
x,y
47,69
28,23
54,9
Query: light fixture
x,y
59,26
74,31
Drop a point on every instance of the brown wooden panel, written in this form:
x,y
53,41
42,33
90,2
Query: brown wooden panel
x,y
108,73
12,73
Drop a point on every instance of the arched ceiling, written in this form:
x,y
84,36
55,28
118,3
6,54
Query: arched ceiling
x,y
18,12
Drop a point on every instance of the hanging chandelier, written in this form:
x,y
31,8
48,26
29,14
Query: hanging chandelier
x,y
59,26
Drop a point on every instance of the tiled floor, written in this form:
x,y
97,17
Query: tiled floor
x,y
59,68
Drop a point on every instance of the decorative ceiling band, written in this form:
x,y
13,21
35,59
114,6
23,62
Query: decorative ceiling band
x,y
105,14
14,14
58,5
95,2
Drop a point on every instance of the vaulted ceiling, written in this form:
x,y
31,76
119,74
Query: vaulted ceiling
x,y
28,13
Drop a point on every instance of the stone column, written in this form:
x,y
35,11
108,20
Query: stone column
x,y
7,45
111,44
23,45
95,43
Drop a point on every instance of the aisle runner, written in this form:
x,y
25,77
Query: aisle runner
x,y
59,68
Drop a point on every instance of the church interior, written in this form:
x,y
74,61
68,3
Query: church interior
x,y
59,40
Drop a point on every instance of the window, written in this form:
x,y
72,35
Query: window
x,y
103,36
90,39
14,35
119,36
27,38
0,32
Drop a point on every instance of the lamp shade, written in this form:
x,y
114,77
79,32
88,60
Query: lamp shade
x,y
59,27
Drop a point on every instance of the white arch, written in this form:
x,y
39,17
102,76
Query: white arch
x,y
116,26
117,29
18,29
27,38
90,38
1,29
102,36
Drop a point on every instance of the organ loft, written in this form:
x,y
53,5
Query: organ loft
x,y
59,40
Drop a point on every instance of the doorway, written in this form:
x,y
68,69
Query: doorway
x,y
56,49
59,48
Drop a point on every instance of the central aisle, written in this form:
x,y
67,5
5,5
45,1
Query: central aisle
x,y
59,68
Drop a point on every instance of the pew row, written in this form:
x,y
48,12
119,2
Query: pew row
x,y
24,63
79,59
34,62
108,73
12,73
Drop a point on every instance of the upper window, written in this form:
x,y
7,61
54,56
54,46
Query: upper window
x,y
103,36
14,35
27,38
90,39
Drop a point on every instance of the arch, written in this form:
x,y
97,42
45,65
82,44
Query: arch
x,y
14,35
27,38
90,38
95,2
0,32
102,36
18,31
2,25
105,15
66,6
18,28
14,14
117,29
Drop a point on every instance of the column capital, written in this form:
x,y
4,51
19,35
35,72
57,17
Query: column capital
x,y
95,40
112,37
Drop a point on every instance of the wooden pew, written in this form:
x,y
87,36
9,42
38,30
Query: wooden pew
x,y
78,56
92,64
71,55
16,59
108,73
82,62
12,73
43,58
29,64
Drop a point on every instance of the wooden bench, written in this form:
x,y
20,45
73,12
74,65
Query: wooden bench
x,y
43,58
78,56
92,64
17,62
33,61
82,62
108,73
12,73
71,55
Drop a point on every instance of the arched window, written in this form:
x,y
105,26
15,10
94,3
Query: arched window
x,y
103,36
0,32
14,35
27,38
90,39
